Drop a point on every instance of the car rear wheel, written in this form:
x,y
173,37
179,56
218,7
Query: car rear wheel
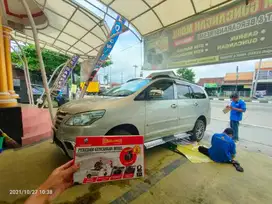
x,y
198,131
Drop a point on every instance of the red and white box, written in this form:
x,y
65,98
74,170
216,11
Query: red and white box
x,y
108,158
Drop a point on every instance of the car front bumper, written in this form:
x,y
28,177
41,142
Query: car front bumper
x,y
67,147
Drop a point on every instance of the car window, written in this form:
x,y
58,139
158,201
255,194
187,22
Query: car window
x,y
198,92
183,92
162,90
127,88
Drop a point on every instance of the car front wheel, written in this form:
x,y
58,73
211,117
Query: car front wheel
x,y
198,131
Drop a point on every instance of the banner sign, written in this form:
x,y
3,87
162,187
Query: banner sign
x,y
116,30
210,85
109,158
65,72
235,32
61,79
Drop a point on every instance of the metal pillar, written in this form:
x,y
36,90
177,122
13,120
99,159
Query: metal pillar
x,y
39,53
256,79
237,76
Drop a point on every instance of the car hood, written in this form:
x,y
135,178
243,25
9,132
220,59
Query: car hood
x,y
88,104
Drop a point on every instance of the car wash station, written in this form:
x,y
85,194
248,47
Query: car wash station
x,y
137,141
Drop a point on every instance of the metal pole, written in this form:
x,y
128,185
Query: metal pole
x,y
26,72
237,76
51,78
256,78
135,70
39,53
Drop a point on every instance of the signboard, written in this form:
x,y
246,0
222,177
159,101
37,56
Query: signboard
x,y
109,158
65,73
93,86
235,32
210,85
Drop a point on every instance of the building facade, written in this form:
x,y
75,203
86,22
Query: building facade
x,y
264,81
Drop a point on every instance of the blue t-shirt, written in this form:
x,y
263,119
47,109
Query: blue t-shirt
x,y
236,115
223,148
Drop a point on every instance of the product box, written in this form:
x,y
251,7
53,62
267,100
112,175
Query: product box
x,y
109,158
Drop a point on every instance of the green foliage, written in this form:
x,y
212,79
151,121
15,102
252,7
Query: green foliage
x,y
51,59
187,74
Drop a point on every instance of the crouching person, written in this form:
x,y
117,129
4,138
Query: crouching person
x,y
223,149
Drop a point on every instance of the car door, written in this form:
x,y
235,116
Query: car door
x,y
186,113
201,101
161,110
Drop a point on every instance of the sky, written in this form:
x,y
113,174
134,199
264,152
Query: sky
x,y
128,51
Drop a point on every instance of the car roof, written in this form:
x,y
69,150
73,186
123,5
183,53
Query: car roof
x,y
176,79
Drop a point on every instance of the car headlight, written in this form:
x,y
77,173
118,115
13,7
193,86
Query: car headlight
x,y
86,118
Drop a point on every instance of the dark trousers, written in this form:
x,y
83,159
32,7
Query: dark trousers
x,y
204,150
235,126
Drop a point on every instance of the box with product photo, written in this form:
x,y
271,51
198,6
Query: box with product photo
x,y
108,158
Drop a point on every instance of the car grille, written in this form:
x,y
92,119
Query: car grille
x,y
59,118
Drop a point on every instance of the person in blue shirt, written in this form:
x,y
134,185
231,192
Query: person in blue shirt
x,y
223,149
237,107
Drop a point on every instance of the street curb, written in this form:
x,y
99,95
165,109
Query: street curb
x,y
251,101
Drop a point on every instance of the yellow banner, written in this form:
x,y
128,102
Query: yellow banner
x,y
92,88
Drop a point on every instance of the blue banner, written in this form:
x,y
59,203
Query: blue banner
x,y
66,71
118,27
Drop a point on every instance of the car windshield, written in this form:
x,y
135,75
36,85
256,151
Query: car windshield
x,y
127,88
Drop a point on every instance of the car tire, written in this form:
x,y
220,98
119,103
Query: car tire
x,y
120,132
198,131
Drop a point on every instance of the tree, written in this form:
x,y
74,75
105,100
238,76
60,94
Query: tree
x,y
51,60
187,74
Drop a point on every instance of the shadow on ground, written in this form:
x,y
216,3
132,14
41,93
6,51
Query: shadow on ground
x,y
170,178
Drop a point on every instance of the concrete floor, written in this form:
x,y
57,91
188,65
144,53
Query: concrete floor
x,y
255,129
170,179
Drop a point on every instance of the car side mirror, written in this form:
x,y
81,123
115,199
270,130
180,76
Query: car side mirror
x,y
155,93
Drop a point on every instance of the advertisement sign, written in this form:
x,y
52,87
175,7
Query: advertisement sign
x,y
210,85
235,32
93,86
116,30
65,73
108,158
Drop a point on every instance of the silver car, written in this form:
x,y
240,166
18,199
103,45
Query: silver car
x,y
156,107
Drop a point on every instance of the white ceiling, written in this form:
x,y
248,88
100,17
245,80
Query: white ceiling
x,y
70,30
150,15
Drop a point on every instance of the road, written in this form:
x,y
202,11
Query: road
x,y
255,129
170,177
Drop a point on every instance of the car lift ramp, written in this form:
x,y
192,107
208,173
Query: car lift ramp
x,y
164,140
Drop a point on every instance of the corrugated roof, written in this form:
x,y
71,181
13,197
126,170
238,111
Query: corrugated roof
x,y
267,65
243,76
217,80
